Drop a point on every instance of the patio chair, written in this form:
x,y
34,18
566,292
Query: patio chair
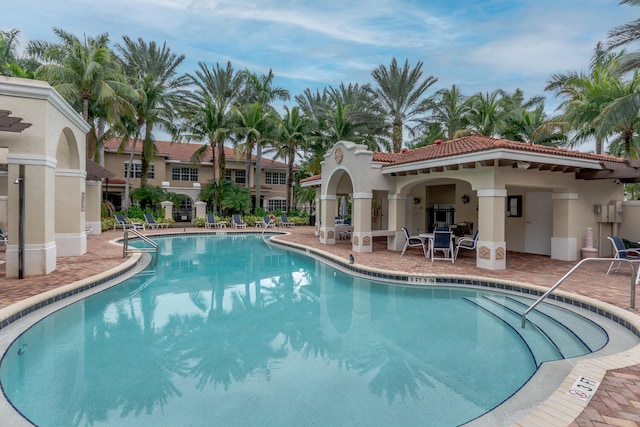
x,y
284,221
212,223
621,252
152,224
413,242
467,243
237,222
123,223
267,222
4,237
442,242
343,231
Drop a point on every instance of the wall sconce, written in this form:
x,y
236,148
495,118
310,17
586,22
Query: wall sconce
x,y
416,200
465,199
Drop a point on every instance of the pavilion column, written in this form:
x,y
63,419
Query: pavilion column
x,y
39,215
564,242
318,203
397,220
168,209
328,209
362,240
93,216
70,207
491,252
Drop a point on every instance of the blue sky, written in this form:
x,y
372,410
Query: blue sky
x,y
478,45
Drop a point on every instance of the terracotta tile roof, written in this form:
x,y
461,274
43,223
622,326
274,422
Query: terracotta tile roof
x,y
379,156
312,178
182,151
475,144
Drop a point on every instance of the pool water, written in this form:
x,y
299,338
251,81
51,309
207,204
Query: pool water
x,y
227,330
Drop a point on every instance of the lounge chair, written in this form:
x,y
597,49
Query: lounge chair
x,y
212,223
413,242
621,252
123,223
4,237
442,242
237,222
152,224
267,222
467,243
284,221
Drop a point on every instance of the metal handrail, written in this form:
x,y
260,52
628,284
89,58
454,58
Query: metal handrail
x,y
634,279
125,246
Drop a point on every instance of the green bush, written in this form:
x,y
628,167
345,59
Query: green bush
x,y
299,220
199,222
170,221
107,223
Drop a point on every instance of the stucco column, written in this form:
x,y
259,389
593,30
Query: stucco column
x,y
70,202
318,203
201,209
39,228
329,207
93,201
564,242
168,209
4,206
362,240
491,252
397,220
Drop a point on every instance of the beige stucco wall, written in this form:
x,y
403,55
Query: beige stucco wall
x,y
56,131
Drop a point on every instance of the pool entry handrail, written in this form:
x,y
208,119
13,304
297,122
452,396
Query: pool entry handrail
x,y
125,244
634,279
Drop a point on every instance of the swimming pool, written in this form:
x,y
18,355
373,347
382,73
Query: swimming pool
x,y
227,330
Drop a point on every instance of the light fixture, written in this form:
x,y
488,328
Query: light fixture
x,y
465,199
416,200
523,165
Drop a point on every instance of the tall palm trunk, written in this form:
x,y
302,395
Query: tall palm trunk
x,y
397,136
290,160
258,172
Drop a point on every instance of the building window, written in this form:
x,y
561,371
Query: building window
x,y
136,170
227,175
275,178
277,204
184,174
240,177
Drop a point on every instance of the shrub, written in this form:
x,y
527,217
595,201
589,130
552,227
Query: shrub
x,y
107,223
199,222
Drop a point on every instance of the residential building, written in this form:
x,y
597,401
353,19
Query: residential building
x,y
175,170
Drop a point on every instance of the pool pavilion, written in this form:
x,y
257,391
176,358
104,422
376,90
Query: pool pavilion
x,y
521,197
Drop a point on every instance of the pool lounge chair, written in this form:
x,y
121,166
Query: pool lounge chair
x,y
123,223
152,224
212,223
4,237
267,222
413,242
621,252
237,222
284,221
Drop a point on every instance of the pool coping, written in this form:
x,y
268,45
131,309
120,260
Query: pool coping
x,y
560,408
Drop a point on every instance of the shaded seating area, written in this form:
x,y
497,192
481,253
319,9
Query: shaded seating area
x,y
621,252
237,222
284,221
414,242
344,230
468,243
212,223
124,223
153,224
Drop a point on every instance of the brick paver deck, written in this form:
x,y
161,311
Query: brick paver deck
x,y
617,401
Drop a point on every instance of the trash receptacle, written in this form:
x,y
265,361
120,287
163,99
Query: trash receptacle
x,y
312,219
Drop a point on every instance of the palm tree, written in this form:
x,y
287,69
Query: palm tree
x,y
624,35
486,112
86,75
399,96
584,95
256,125
449,108
152,69
217,90
291,136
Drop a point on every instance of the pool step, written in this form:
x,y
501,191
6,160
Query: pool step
x,y
546,332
